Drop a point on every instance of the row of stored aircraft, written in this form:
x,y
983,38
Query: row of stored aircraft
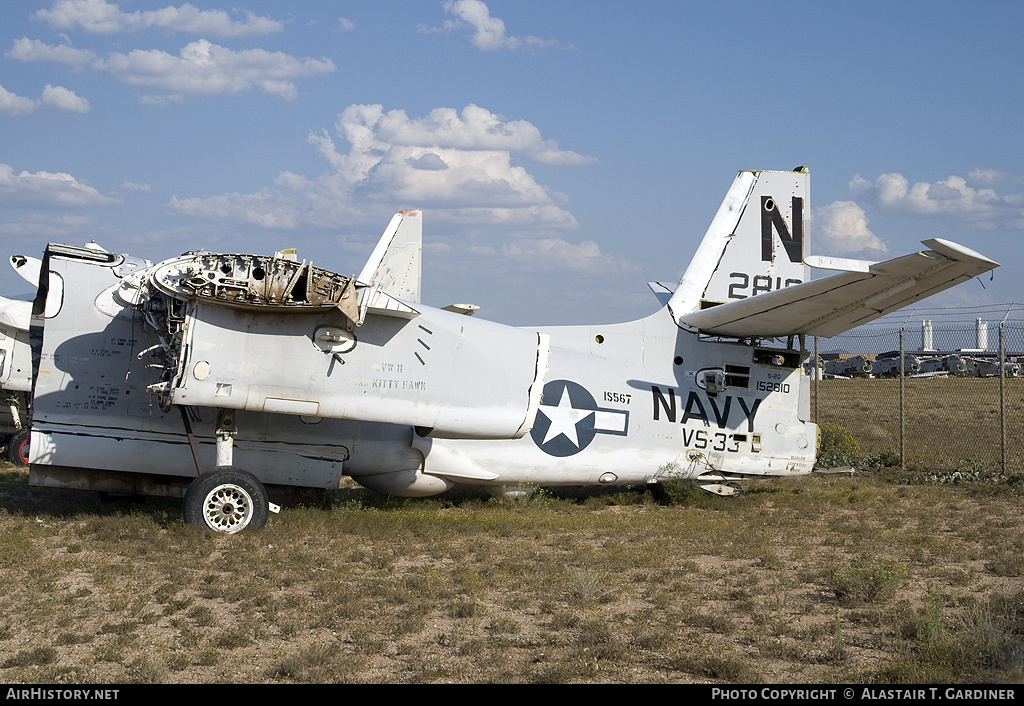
x,y
229,379
955,364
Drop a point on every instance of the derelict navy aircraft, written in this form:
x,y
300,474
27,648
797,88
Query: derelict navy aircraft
x,y
215,377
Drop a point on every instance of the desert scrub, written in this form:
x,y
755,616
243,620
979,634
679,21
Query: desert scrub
x,y
868,579
969,473
836,446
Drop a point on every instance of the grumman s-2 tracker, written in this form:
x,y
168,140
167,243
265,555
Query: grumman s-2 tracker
x,y
221,378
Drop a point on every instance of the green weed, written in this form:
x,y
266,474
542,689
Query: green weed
x,y
868,579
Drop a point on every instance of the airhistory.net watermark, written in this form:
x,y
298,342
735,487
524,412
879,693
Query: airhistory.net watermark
x,y
50,694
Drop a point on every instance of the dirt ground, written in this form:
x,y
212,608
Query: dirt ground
x,y
561,587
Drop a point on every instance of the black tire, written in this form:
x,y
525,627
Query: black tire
x,y
17,448
226,499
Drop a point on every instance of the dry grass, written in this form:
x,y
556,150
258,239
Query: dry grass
x,y
951,423
583,587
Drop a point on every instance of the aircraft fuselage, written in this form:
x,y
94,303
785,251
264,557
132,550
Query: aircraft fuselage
x,y
629,404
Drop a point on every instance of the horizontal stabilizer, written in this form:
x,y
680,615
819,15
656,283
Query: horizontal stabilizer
x,y
830,306
662,291
375,301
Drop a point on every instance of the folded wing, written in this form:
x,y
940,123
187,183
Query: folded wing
x,y
830,306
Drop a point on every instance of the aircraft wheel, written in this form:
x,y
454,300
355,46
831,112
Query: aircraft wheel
x,y
226,499
17,448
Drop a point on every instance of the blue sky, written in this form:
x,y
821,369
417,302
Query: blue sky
x,y
564,153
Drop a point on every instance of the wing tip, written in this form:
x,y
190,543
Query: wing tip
x,y
955,251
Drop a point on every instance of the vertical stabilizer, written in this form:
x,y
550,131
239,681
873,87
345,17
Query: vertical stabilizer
x,y
755,244
394,265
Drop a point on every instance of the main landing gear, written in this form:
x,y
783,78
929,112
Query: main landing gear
x,y
225,499
17,448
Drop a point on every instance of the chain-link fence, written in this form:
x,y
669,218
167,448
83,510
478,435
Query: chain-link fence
x,y
944,397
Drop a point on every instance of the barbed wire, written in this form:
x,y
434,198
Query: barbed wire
x,y
947,315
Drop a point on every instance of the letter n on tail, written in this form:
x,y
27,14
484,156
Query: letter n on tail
x,y
772,220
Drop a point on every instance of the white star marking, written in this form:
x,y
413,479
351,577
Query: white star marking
x,y
564,418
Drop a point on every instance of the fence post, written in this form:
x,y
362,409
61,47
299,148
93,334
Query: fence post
x,y
903,423
1002,395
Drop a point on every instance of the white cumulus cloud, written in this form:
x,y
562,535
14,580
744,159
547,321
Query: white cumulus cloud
x,y
459,165
843,226
26,49
60,98
54,99
475,128
13,104
103,17
489,32
47,189
200,68
952,198
204,68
